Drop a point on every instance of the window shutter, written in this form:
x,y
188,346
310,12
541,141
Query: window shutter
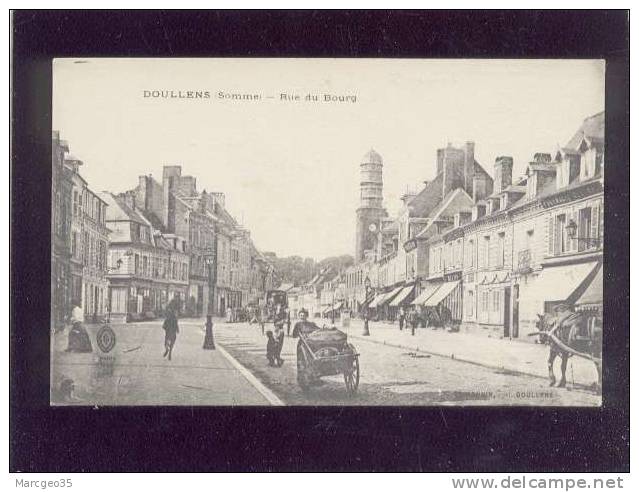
x,y
594,226
551,235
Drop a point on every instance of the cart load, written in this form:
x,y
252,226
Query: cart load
x,y
326,352
326,337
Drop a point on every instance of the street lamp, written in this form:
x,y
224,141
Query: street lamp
x,y
571,229
209,343
367,288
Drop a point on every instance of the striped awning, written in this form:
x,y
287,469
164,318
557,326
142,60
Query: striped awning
x,y
402,296
377,300
592,298
392,294
562,283
442,293
428,291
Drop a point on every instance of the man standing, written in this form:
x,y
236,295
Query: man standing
x,y
402,317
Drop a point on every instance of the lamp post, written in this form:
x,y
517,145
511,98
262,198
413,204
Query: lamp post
x,y
367,287
209,343
571,229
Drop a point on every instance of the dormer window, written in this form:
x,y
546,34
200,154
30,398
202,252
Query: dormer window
x,y
479,210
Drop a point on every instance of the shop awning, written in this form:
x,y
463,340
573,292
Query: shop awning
x,y
367,301
377,300
399,298
558,284
442,293
428,291
392,295
593,295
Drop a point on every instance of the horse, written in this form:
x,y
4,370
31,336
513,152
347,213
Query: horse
x,y
569,334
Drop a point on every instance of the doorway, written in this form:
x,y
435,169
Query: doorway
x,y
515,327
507,312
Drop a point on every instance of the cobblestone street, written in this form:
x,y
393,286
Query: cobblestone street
x,y
395,376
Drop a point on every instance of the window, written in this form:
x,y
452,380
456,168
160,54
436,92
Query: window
x,y
145,266
75,203
470,303
137,264
471,253
529,239
585,226
486,252
74,244
561,240
501,239
496,297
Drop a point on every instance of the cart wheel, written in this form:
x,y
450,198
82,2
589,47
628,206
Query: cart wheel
x,y
302,369
351,377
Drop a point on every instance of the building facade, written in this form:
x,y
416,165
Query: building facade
x,y
61,186
534,243
89,246
489,253
225,268
147,268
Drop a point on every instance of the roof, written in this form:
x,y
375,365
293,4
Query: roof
x,y
427,199
372,157
121,211
593,126
443,206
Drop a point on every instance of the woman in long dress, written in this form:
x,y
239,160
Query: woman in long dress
x,y
171,329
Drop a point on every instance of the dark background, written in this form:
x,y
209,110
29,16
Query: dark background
x,y
45,439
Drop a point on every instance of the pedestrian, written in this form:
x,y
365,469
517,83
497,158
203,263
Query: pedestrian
x,y
171,329
279,340
288,322
271,348
412,319
402,317
78,339
263,317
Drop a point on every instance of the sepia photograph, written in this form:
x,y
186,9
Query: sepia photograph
x,y
342,232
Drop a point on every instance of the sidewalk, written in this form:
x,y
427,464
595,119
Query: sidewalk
x,y
134,372
513,356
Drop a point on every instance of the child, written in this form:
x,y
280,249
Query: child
x,y
279,343
271,348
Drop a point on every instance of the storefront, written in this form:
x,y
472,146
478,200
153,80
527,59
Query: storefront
x,y
449,296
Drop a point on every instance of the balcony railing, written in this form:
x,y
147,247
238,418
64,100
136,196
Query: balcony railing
x,y
524,261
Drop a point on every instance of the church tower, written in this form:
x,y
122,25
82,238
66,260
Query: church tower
x,y
370,209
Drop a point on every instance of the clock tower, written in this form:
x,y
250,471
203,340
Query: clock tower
x,y
371,208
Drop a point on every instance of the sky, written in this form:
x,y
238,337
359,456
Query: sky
x,y
290,168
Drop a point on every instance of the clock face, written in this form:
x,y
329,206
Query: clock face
x,y
372,227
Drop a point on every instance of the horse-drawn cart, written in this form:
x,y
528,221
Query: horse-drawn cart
x,y
326,352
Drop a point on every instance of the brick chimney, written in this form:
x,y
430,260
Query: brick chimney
x,y
170,182
469,166
503,173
